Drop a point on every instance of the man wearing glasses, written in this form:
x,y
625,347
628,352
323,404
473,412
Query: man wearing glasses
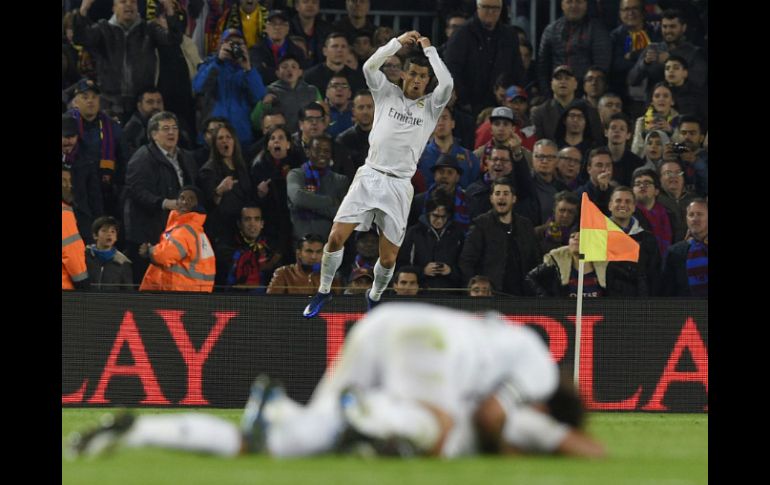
x,y
663,222
312,123
538,189
338,97
499,163
568,164
480,52
381,191
674,193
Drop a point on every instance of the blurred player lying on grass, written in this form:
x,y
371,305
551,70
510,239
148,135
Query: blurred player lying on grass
x,y
412,380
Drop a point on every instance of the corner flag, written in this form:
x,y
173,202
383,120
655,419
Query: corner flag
x,y
601,239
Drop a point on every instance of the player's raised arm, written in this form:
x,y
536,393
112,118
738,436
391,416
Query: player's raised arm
x,y
443,90
374,77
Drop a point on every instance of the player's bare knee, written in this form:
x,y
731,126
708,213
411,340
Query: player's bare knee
x,y
335,242
387,261
445,423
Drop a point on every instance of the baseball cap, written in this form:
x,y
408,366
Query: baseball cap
x,y
231,32
83,86
278,13
69,126
514,92
446,160
361,272
563,68
503,113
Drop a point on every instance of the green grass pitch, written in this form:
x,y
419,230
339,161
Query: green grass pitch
x,y
644,449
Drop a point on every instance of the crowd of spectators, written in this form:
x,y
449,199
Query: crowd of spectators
x,y
206,146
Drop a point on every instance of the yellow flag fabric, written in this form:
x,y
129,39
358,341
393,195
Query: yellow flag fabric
x,y
601,239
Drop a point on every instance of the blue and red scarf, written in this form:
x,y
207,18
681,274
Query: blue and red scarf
x,y
698,268
247,261
313,177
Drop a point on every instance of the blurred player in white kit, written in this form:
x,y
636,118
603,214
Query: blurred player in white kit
x,y
412,379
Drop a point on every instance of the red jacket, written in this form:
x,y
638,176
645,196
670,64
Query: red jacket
x,y
183,260
73,250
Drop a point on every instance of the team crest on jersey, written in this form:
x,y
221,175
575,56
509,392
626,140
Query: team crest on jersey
x,y
421,103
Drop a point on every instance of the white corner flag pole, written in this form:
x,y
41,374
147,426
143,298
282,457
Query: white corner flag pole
x,y
578,316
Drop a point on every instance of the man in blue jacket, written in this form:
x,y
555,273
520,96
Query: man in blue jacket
x,y
229,85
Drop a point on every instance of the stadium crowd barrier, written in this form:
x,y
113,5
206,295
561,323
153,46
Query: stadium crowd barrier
x,y
205,350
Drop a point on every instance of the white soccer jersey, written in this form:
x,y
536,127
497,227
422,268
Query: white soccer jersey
x,y
471,355
422,353
402,126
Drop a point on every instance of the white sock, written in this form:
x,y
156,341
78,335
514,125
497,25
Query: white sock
x,y
383,415
382,276
330,263
196,432
313,429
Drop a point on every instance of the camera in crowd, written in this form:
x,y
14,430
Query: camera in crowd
x,y
679,148
237,52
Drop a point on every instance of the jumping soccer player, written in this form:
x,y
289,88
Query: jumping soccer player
x,y
381,191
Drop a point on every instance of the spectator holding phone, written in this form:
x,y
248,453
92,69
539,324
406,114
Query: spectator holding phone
x,y
659,115
434,244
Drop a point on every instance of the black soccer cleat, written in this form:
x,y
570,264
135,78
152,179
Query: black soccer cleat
x,y
101,439
253,423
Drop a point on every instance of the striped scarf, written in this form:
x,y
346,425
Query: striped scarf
x,y
106,136
661,225
211,33
247,261
591,286
698,268
461,218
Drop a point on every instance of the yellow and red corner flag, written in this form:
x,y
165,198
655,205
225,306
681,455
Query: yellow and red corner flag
x,y
601,239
